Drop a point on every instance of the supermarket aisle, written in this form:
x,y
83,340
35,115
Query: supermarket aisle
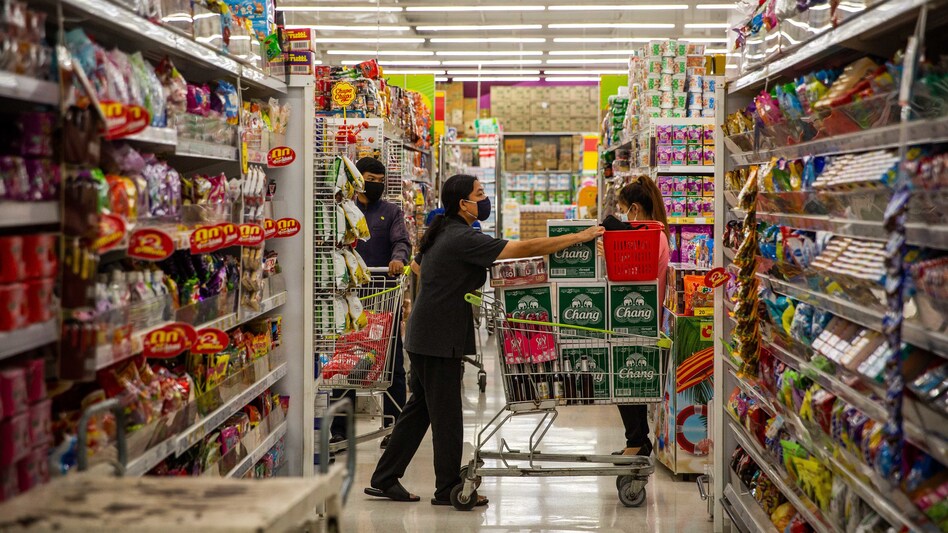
x,y
534,504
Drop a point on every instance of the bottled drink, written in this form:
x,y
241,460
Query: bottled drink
x,y
585,381
570,379
359,375
559,391
543,386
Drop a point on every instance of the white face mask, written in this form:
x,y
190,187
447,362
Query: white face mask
x,y
624,217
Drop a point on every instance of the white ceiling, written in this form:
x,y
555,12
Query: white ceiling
x,y
529,38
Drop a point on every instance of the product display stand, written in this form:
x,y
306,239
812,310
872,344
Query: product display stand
x,y
801,419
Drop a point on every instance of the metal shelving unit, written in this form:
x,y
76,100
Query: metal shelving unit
x,y
27,89
245,464
33,336
916,233
19,214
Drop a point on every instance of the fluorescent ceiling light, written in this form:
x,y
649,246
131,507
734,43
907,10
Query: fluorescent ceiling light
x,y
577,72
380,52
572,78
395,72
729,67
592,61
344,9
716,6
703,39
474,40
495,78
408,63
715,50
367,40
438,9
610,25
592,52
441,79
604,39
488,53
630,7
499,62
707,25
492,72
363,28
482,27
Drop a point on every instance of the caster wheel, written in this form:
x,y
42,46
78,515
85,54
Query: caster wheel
x,y
476,480
456,498
622,480
482,381
630,499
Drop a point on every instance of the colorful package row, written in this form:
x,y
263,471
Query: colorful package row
x,y
688,134
686,185
692,154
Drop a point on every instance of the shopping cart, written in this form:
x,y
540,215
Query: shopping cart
x,y
545,366
363,361
477,359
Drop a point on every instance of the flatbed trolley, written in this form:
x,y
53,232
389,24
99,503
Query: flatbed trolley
x,y
547,365
363,361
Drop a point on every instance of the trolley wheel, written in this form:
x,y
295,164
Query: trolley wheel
x,y
476,480
482,381
456,498
490,327
629,498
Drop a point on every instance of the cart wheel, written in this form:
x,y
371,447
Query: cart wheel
x,y
456,497
622,480
490,328
482,381
628,498
477,479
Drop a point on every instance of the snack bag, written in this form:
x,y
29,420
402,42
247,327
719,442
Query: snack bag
x,y
356,312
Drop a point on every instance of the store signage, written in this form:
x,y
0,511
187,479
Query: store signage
x,y
269,228
250,235
150,244
716,277
207,239
231,233
280,156
287,227
343,93
210,341
123,120
112,230
169,341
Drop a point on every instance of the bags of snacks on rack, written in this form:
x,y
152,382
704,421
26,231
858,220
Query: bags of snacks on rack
x,y
356,226
357,316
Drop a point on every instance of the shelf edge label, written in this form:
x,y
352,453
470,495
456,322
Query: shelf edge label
x,y
269,228
169,341
123,120
112,230
206,239
280,156
150,244
287,227
210,341
231,233
716,277
250,235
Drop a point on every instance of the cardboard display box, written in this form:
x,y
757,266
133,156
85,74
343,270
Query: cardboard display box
x,y
578,262
636,372
633,308
581,304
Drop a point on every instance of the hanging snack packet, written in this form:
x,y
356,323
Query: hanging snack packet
x,y
343,186
341,275
353,175
356,311
341,314
357,227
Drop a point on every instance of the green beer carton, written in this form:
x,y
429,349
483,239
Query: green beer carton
x,y
581,304
635,371
529,303
598,363
578,262
633,308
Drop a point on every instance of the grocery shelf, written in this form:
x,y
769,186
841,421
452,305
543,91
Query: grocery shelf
x,y
621,146
916,233
917,132
684,169
33,336
933,341
27,89
181,442
931,442
152,136
744,510
113,19
205,150
674,221
802,504
245,464
425,151
880,16
21,214
753,392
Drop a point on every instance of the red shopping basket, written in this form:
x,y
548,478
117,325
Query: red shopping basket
x,y
632,255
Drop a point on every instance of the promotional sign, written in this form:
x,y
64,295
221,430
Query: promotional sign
x,y
633,308
112,230
716,277
343,93
287,227
231,233
206,239
169,341
280,156
150,244
250,235
210,341
269,228
123,120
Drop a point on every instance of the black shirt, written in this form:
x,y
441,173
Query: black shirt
x,y
441,322
389,235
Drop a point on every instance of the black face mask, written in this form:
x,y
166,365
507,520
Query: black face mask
x,y
374,191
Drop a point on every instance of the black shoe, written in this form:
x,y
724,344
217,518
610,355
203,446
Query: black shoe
x,y
336,437
384,443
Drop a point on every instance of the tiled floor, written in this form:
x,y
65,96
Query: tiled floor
x,y
528,504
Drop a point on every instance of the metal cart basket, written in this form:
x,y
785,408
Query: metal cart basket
x,y
546,365
363,361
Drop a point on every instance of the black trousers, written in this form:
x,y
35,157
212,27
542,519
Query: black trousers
x,y
635,420
398,391
436,401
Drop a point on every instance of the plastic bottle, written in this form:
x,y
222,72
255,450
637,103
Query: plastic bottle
x,y
119,294
359,375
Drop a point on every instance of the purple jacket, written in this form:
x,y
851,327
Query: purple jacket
x,y
389,235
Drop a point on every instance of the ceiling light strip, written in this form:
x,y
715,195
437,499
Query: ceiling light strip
x,y
488,53
612,25
373,53
341,9
456,9
497,62
481,27
497,78
624,7
492,72
475,40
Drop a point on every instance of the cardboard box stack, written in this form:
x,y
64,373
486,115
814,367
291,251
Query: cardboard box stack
x,y
542,109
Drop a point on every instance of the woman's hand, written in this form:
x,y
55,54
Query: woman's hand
x,y
590,233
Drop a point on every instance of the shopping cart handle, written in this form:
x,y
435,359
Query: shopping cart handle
x,y
473,299
664,342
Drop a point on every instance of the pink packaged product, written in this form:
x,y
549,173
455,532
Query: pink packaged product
x,y
681,185
695,154
678,206
708,134
707,207
694,185
36,133
513,272
14,439
33,470
666,184
709,186
9,484
690,234
707,156
695,134
13,396
35,380
679,155
692,206
40,422
674,244
679,134
663,134
667,200
664,154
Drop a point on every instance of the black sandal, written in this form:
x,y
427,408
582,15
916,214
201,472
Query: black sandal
x,y
395,493
481,501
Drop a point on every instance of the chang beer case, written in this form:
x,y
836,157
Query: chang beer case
x,y
536,301
578,262
581,304
633,308
683,441
636,373
598,357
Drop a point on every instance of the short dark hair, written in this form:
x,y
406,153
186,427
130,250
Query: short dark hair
x,y
370,164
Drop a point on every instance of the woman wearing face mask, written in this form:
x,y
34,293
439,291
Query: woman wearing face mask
x,y
641,200
453,259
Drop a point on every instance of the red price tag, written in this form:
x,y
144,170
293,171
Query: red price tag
x,y
169,341
280,156
250,235
269,228
150,244
123,120
716,277
210,341
206,239
287,227
112,230
231,233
